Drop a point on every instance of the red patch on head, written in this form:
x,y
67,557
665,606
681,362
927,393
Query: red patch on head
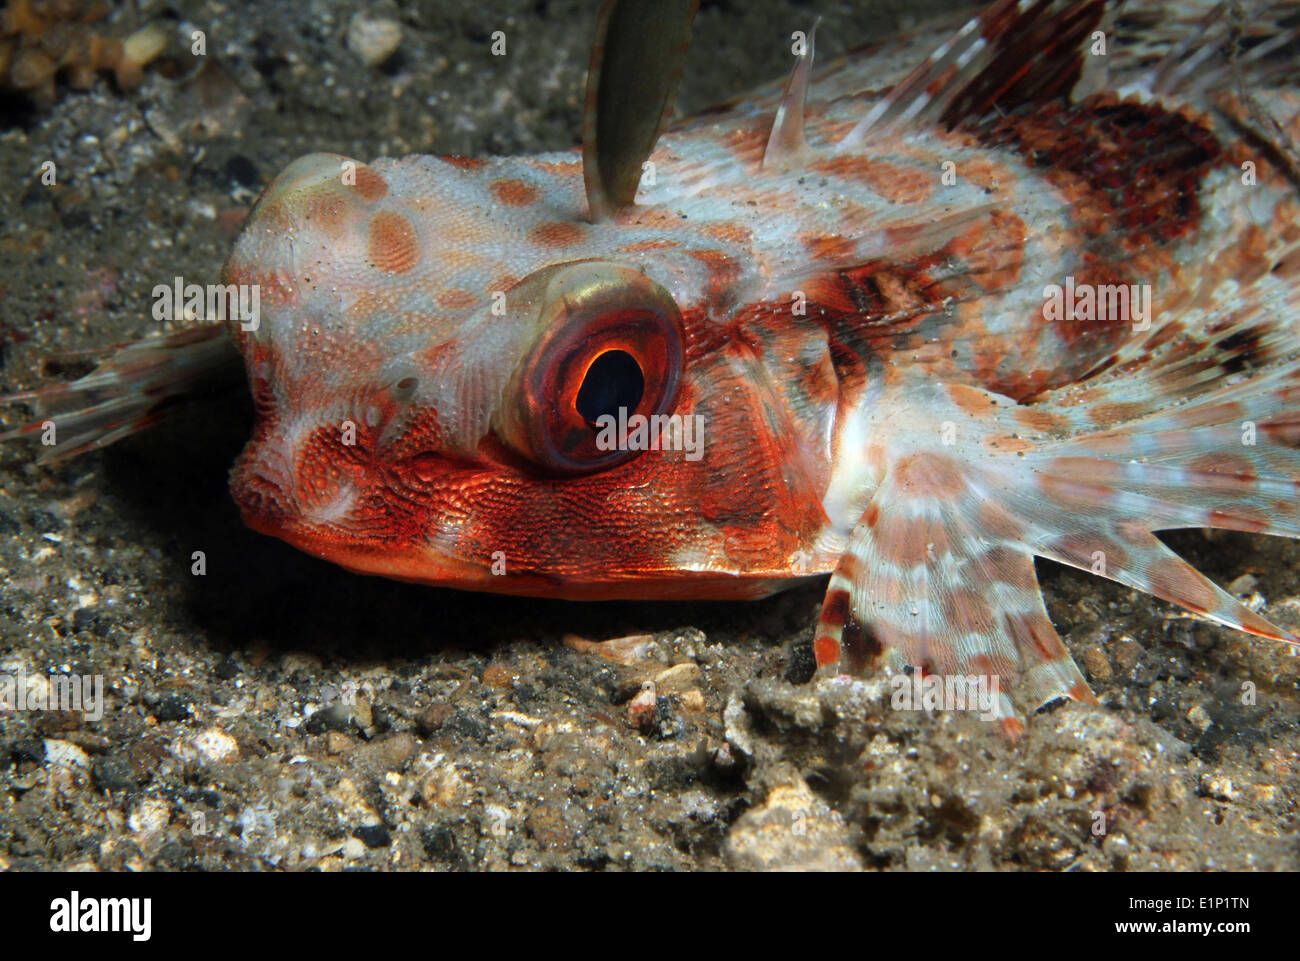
x,y
393,247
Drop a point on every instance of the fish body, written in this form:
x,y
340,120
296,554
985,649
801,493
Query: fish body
x,y
1028,299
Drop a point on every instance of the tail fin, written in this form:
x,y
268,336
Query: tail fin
x,y
131,390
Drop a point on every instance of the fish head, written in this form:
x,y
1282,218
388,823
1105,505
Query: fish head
x,y
459,380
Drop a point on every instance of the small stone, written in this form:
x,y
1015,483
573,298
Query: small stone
x,y
227,669
112,774
433,717
681,677
793,830
373,836
1243,584
85,619
44,522
1219,787
337,743
299,662
149,817
172,709
215,745
1097,665
1126,653
739,733
627,651
242,171
391,753
1199,719
642,709
545,824
341,717
693,702
66,754
500,677
373,39
28,749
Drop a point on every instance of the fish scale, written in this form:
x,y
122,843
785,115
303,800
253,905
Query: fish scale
x,y
851,283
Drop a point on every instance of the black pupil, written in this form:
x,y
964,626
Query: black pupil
x,y
613,380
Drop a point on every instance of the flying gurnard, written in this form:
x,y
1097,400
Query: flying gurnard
x,y
1037,296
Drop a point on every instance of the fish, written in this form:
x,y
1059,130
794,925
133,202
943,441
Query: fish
x,y
1035,294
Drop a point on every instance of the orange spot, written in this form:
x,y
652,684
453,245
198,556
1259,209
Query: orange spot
x,y
465,163
1108,415
1041,420
393,246
930,475
995,520
826,651
837,250
728,231
1012,567
557,234
967,613
503,283
1083,549
849,568
901,541
370,186
896,183
1035,634
453,298
995,250
1234,465
1238,520
326,211
1198,416
1175,580
514,193
1283,430
1079,692
643,245
970,399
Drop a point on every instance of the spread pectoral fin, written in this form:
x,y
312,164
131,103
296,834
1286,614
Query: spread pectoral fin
x,y
935,579
938,572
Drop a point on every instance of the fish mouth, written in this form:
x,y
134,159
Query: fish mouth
x,y
425,564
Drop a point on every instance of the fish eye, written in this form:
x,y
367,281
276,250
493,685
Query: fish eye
x,y
614,381
609,341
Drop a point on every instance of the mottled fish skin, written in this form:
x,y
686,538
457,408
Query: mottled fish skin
x,y
862,311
